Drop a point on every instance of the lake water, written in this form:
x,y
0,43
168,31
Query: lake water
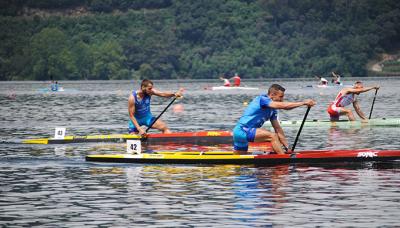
x,y
53,186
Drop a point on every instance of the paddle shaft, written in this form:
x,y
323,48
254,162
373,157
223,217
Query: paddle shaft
x,y
301,127
158,117
372,106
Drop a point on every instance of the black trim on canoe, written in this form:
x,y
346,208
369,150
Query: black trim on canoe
x,y
240,161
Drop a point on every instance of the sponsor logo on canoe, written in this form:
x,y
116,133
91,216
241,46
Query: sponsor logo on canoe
x,y
154,156
79,137
369,154
213,133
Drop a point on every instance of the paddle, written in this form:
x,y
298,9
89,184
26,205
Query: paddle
x,y
158,117
372,106
298,133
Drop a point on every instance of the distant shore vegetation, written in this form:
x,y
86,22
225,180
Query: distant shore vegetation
x,y
194,39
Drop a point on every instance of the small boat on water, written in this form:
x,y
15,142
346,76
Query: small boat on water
x,y
60,90
48,90
260,159
387,122
199,138
233,88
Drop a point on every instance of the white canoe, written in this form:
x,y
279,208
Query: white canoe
x,y
377,122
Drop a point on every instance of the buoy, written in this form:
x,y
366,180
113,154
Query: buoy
x,y
178,108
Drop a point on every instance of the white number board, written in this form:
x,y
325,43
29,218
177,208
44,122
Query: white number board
x,y
59,133
133,146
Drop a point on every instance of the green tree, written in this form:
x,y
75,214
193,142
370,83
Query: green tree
x,y
108,61
49,54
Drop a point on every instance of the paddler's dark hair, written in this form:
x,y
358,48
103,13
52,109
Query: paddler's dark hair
x,y
275,87
146,82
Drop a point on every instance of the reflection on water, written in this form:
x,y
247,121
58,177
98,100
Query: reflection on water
x,y
338,138
52,185
172,196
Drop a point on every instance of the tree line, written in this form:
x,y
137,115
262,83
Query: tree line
x,y
166,39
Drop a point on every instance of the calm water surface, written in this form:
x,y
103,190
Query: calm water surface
x,y
52,185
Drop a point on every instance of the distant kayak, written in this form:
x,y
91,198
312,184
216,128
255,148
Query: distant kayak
x,y
233,88
45,90
60,89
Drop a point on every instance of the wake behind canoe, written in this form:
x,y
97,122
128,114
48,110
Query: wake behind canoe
x,y
227,157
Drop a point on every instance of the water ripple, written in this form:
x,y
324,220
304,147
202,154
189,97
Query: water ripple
x,y
52,185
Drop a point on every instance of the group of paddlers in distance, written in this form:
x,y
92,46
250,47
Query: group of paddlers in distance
x,y
336,79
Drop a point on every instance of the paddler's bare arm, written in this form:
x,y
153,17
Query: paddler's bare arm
x,y
279,131
356,106
291,105
360,90
168,94
131,110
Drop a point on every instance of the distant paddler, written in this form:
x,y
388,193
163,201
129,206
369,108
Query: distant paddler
x,y
139,108
322,81
336,78
262,108
346,97
54,86
226,81
236,80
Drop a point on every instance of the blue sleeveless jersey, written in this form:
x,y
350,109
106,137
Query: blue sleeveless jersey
x,y
142,113
258,112
142,107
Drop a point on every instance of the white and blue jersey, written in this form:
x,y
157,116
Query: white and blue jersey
x,y
54,87
253,117
142,112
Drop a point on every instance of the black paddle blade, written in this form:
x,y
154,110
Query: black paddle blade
x,y
372,106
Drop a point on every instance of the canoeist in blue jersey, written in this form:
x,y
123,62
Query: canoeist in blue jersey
x,y
263,108
139,108
54,86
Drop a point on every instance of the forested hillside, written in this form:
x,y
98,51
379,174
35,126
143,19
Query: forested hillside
x,y
110,39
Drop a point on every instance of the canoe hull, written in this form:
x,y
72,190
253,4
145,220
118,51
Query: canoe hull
x,y
263,159
199,138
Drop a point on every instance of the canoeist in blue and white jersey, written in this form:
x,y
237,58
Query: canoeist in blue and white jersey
x,y
54,86
139,108
346,97
262,108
